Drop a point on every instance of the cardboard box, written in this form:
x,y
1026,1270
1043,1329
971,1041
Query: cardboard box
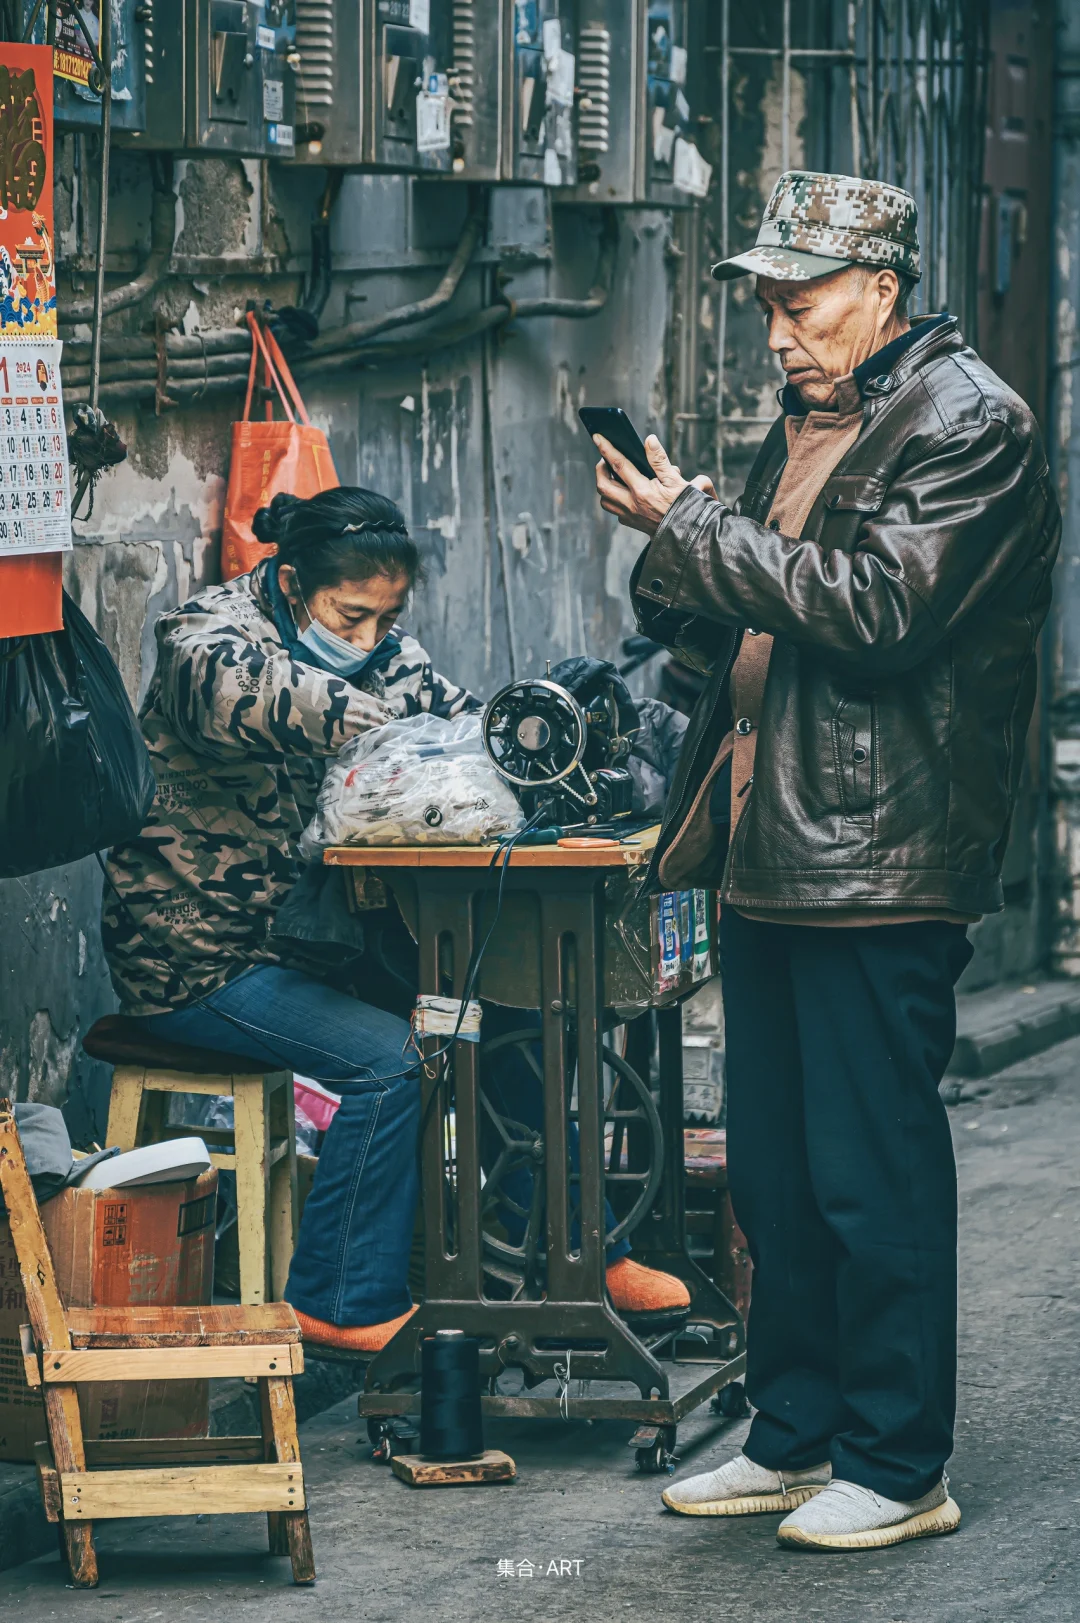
x,y
111,1248
682,934
22,1418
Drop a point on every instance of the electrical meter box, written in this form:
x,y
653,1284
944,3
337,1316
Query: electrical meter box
x,y
404,85
224,78
635,139
540,113
76,101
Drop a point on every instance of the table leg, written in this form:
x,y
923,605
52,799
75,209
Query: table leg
x,y
526,1333
569,925
660,1241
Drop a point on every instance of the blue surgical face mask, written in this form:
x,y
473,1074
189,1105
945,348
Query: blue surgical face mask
x,y
333,651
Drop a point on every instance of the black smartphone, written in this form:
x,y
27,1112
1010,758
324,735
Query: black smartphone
x,y
616,427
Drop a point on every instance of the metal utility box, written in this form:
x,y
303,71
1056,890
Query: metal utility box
x,y
635,122
76,105
224,78
409,85
404,85
539,108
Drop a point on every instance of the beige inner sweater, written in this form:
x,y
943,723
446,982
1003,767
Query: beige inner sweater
x,y
816,443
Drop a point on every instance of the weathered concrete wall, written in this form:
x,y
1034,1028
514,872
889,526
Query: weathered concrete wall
x,y
480,444
1063,674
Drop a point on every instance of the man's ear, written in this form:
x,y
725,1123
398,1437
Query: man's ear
x,y
888,285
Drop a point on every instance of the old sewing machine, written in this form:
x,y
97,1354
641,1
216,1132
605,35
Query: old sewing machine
x,y
567,760
574,941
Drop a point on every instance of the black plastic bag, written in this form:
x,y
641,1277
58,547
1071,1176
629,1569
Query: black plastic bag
x,y
74,773
590,680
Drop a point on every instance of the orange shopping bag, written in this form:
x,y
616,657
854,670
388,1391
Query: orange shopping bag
x,y
269,456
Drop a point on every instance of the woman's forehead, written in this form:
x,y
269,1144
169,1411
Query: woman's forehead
x,y
372,590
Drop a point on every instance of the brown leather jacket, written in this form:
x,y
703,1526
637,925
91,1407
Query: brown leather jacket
x,y
903,672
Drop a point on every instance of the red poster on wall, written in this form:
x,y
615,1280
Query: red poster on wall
x,y
32,528
27,267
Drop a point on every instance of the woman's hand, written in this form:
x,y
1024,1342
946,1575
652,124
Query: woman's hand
x,y
637,502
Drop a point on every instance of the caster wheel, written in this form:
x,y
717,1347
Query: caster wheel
x,y
657,1457
395,1435
380,1436
731,1402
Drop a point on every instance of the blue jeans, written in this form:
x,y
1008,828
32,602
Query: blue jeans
x,y
352,1253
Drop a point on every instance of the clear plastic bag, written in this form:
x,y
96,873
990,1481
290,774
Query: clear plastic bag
x,y
418,781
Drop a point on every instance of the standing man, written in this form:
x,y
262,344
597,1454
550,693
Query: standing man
x,y
867,616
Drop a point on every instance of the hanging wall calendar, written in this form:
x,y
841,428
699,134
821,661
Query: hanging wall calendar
x,y
35,503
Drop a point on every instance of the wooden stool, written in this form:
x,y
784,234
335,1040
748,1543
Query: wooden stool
x,y
83,1482
263,1137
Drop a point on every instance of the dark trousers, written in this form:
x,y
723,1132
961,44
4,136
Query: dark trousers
x,y
843,1180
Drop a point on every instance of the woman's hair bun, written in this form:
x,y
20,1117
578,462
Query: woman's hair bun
x,y
342,534
268,525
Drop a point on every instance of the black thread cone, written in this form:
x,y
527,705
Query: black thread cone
x,y
451,1424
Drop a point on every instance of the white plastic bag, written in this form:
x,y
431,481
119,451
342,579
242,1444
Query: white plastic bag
x,y
417,781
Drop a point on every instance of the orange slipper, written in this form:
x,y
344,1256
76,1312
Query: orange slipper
x,y
341,1338
640,1291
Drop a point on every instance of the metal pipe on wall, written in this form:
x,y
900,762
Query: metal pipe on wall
x,y
358,332
153,273
105,50
215,363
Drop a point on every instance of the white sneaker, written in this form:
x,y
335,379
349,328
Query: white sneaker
x,y
847,1517
741,1488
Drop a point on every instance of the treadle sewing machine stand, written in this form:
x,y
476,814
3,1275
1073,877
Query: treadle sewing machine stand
x,y
454,900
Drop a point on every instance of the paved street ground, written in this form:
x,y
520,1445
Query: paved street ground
x,y
386,1552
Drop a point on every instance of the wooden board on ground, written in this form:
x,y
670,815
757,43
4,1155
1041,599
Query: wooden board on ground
x,y
490,1466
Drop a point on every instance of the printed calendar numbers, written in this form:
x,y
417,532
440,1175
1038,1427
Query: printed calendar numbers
x,y
35,502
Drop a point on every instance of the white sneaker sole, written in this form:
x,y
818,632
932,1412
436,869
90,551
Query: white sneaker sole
x,y
928,1524
753,1504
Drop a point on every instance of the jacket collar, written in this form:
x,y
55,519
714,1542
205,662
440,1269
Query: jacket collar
x,y
889,366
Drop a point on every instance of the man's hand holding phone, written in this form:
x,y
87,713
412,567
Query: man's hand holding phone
x,y
637,502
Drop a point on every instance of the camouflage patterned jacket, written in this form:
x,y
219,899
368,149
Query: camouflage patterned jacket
x,y
239,733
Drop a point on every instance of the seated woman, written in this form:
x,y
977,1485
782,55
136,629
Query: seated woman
x,y
257,683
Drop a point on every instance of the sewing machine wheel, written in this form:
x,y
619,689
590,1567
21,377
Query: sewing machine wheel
x,y
520,1268
534,732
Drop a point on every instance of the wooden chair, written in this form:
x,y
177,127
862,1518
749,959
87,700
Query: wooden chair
x,y
83,1481
263,1139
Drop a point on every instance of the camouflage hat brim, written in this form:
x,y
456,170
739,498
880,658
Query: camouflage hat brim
x,y
782,264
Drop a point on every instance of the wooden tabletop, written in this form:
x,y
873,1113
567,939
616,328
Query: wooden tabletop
x,y
628,853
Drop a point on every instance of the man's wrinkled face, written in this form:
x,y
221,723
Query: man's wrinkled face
x,y
824,328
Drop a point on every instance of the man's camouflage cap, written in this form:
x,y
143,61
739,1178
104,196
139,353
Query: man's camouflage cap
x,y
816,224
